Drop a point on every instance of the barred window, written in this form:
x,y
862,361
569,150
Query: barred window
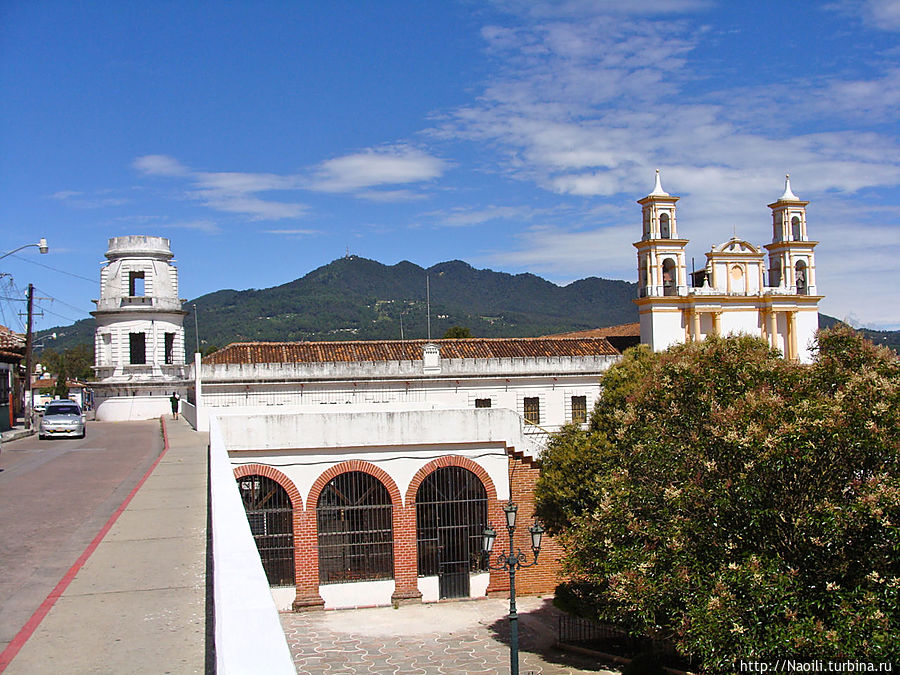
x,y
356,537
579,409
532,409
270,514
482,403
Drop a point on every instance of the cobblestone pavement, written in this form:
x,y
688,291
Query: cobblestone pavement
x,y
455,637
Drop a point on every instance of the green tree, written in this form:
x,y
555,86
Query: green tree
x,y
61,390
74,363
457,332
738,503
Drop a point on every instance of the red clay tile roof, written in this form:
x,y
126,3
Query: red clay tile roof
x,y
11,342
407,350
622,330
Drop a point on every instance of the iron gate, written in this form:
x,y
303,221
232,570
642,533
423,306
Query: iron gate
x,y
451,514
271,519
356,536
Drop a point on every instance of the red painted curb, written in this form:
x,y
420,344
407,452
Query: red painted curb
x,y
13,648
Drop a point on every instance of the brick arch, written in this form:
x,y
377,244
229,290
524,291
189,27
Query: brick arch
x,y
276,475
354,465
451,460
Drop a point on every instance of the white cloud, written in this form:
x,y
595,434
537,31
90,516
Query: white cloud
x,y
159,165
565,256
464,217
85,200
587,105
293,232
883,14
395,165
229,191
206,226
878,14
390,195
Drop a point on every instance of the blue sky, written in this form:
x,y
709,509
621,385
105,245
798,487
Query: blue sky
x,y
266,139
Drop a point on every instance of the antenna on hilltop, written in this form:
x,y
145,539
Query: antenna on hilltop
x,y
428,304
347,254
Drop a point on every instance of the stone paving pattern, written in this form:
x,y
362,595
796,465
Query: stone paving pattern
x,y
454,637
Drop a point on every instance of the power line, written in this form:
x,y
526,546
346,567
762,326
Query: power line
x,y
50,297
55,269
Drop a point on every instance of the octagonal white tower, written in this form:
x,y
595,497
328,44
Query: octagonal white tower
x,y
139,340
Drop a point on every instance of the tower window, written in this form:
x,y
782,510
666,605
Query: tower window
x,y
775,273
664,229
795,228
668,272
532,409
170,348
137,348
136,284
800,276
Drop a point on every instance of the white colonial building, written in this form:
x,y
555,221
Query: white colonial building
x,y
369,470
740,289
139,340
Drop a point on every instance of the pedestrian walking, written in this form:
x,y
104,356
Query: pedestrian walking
x,y
174,399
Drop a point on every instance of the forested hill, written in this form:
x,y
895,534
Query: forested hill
x,y
359,299
355,298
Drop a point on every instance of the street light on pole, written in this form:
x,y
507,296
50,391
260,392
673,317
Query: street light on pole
x,y
43,248
512,561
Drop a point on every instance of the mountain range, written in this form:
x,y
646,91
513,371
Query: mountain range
x,y
354,298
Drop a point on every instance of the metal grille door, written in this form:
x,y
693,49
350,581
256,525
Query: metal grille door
x,y
271,518
451,514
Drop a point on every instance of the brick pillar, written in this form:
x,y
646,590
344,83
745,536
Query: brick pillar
x,y
543,577
306,562
498,586
406,585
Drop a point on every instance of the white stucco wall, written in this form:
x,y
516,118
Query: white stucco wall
x,y
304,443
123,408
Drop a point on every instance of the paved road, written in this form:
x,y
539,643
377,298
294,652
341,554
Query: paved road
x,y
459,637
55,496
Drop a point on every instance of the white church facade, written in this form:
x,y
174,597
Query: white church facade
x,y
741,289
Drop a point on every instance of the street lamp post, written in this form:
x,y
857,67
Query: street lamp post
x,y
43,248
511,562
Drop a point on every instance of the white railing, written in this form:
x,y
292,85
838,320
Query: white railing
x,y
249,637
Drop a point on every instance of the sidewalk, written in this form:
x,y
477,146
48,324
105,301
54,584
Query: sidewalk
x,y
18,431
138,604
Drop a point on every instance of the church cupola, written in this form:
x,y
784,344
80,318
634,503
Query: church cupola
x,y
791,258
661,257
658,210
788,216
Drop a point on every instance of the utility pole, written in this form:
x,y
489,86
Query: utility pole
x,y
29,345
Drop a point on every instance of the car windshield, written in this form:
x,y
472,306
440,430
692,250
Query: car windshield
x,y
63,410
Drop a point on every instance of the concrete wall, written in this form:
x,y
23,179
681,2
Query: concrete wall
x,y
248,633
123,408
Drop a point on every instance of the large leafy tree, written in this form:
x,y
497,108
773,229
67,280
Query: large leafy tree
x,y
737,503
